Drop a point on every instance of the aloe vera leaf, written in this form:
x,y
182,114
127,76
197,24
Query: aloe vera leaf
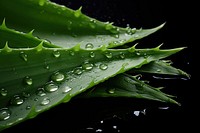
x,y
35,79
123,85
19,39
163,67
65,27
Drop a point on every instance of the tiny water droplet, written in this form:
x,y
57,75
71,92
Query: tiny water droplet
x,y
138,53
57,77
50,87
111,90
66,89
4,114
17,100
41,2
108,54
71,53
28,107
92,54
158,70
103,66
78,71
89,46
45,101
23,56
3,92
28,80
87,66
26,94
56,53
40,92
122,55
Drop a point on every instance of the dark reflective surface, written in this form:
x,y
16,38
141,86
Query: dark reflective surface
x,y
105,115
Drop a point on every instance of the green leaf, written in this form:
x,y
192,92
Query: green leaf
x,y
124,85
35,79
65,27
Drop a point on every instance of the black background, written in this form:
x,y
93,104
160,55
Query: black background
x,y
107,115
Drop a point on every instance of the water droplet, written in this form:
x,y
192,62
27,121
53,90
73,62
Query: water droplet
x,y
138,53
41,2
3,92
26,94
66,89
56,53
108,54
28,80
40,92
4,114
28,107
45,101
111,90
158,70
89,46
23,56
57,77
87,66
50,87
17,100
78,71
122,55
103,66
71,53
130,31
92,54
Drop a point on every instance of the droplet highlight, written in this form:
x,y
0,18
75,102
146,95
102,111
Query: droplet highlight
x,y
28,80
89,46
23,56
103,66
17,100
4,114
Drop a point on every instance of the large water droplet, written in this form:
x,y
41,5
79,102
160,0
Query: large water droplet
x,y
103,66
56,53
45,101
89,46
4,114
28,80
87,66
50,87
3,92
23,56
17,100
57,77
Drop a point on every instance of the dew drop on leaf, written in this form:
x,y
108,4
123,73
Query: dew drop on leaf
x,y
4,114
56,53
50,87
17,100
87,66
92,54
66,89
111,90
23,56
40,92
78,71
89,46
28,80
103,66
3,92
108,54
45,101
57,77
